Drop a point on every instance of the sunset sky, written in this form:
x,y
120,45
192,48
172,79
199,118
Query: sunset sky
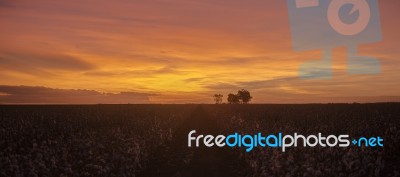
x,y
175,51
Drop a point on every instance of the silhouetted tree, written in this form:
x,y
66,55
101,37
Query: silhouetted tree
x,y
244,96
218,98
233,99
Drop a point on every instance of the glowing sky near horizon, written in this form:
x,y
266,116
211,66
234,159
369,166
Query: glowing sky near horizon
x,y
181,51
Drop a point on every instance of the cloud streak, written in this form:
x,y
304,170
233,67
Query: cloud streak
x,y
28,62
44,95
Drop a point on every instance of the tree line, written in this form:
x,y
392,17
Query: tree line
x,y
241,97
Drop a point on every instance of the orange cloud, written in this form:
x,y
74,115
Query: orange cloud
x,y
183,50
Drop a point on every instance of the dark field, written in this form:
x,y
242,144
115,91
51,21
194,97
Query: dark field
x,y
151,140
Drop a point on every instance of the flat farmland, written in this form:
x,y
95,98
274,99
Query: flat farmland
x,y
152,140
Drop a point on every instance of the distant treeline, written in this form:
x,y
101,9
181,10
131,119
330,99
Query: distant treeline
x,y
241,97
